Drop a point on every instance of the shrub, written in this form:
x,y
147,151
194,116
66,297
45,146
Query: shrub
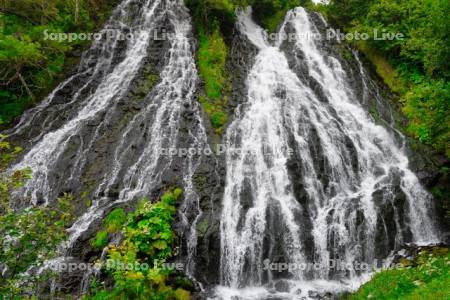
x,y
148,239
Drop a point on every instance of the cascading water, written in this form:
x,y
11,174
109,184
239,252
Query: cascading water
x,y
310,177
81,115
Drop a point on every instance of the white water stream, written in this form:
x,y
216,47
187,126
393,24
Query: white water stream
x,y
283,112
155,128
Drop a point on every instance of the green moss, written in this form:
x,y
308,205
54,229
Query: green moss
x,y
146,84
115,220
101,240
375,113
177,192
212,57
153,79
425,278
88,203
202,226
219,119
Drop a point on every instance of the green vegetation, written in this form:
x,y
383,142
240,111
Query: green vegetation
x,y
427,277
28,236
115,220
416,67
213,19
148,242
271,13
30,62
111,224
101,240
212,56
8,183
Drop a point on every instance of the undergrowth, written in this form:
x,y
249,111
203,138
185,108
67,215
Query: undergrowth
x,y
136,266
427,277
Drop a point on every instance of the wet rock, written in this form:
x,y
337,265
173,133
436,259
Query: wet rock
x,y
282,286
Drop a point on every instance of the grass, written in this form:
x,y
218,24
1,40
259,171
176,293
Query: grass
x,y
212,57
115,220
101,240
427,277
384,69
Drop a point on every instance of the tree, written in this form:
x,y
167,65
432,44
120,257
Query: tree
x,y
15,54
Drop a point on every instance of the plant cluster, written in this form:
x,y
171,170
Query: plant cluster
x,y
148,239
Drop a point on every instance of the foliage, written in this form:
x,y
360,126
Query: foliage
x,y
271,13
212,56
30,62
421,68
29,236
426,278
427,106
115,220
214,19
9,182
136,265
101,240
210,14
111,224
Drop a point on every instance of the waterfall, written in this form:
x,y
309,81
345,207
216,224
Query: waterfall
x,y
313,182
310,176
97,111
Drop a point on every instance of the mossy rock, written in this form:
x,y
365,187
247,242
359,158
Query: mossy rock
x,y
202,227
